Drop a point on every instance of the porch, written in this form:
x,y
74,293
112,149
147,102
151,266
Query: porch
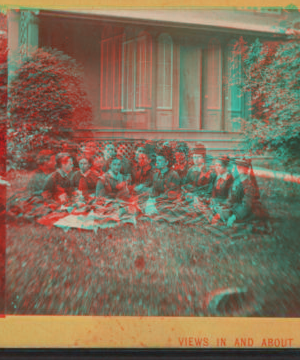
x,y
151,75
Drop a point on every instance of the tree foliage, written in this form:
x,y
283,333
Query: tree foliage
x,y
272,76
3,90
47,97
3,64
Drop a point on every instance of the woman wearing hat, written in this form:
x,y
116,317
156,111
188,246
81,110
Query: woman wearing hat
x,y
243,200
221,187
223,180
142,174
166,182
181,165
200,178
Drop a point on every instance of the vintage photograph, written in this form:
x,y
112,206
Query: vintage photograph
x,y
150,161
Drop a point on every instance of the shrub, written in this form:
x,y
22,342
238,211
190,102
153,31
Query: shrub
x,y
47,100
272,76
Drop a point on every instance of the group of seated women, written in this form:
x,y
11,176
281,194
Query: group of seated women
x,y
225,187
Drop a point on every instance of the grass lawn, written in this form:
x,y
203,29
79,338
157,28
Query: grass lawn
x,y
154,269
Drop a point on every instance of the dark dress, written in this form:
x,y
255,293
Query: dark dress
x,y
166,185
86,183
221,188
108,187
58,184
36,184
125,166
242,202
29,203
142,175
199,182
75,179
182,170
165,197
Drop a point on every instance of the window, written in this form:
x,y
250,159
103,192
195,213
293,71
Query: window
x,y
137,73
111,73
214,75
165,72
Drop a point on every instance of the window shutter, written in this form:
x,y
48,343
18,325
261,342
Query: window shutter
x,y
117,71
143,89
165,72
160,74
106,74
128,75
214,75
234,78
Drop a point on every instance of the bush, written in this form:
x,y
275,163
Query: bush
x,y
272,76
47,100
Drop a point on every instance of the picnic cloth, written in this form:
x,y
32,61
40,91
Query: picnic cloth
x,y
108,213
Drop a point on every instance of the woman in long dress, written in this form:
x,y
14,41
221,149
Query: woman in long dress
x,y
84,181
141,171
46,165
166,181
221,187
166,184
58,185
200,177
98,164
181,165
113,185
243,202
109,152
122,153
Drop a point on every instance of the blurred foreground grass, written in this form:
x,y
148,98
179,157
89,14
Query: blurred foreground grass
x,y
154,269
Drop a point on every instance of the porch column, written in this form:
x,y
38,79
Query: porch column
x,y
13,59
29,32
23,36
33,31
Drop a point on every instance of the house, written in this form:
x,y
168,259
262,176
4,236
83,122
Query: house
x,y
156,74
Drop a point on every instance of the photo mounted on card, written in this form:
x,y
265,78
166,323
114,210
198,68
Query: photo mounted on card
x,y
150,176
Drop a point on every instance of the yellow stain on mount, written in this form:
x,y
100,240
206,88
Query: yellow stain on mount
x,y
129,4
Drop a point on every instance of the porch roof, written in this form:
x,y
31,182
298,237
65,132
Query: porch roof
x,y
231,20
